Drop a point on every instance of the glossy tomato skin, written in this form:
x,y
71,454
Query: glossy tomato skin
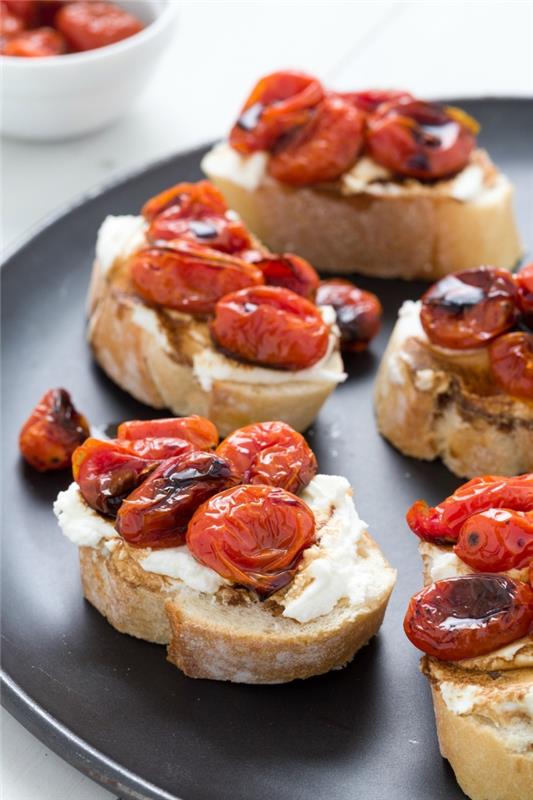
x,y
511,362
90,25
37,43
442,524
253,536
10,24
496,540
199,431
358,312
524,281
188,277
470,308
157,513
278,103
270,326
158,448
25,10
220,233
488,612
370,100
191,200
421,140
290,272
272,454
52,432
324,148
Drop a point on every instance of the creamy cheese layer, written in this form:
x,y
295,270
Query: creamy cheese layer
x,y
119,237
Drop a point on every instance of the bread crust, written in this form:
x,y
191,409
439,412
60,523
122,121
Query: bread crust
x,y
406,235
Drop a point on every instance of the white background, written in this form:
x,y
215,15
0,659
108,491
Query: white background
x,y
219,49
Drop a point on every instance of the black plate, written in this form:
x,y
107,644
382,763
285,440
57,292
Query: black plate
x,y
112,705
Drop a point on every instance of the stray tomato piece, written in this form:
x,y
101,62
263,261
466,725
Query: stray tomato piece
x,y
370,100
291,272
188,277
421,140
270,326
253,536
324,148
38,43
10,24
90,25
511,361
469,616
107,472
52,432
470,308
358,312
271,453
496,540
157,513
199,431
524,280
191,200
279,102
442,524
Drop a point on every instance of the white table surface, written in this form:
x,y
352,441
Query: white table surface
x,y
435,49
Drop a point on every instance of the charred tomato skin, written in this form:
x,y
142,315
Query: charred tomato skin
x,y
52,432
358,312
496,540
511,362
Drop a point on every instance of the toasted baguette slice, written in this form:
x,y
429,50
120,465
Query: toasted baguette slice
x,y
385,229
435,403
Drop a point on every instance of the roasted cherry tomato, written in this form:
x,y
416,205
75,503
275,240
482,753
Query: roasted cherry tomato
x,y
252,535
52,432
324,148
221,233
496,540
421,140
290,272
107,472
188,277
524,280
190,200
373,98
511,362
25,10
470,308
37,43
199,431
468,616
279,102
270,326
9,22
159,448
271,453
442,524
157,513
358,312
90,25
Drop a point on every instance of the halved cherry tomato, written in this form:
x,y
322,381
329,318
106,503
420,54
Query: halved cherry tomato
x,y
511,362
188,277
278,102
470,308
38,43
270,326
191,200
358,312
9,23
496,540
199,431
324,148
373,98
253,536
468,616
221,233
157,513
524,280
90,25
290,272
52,432
442,524
271,453
107,472
421,140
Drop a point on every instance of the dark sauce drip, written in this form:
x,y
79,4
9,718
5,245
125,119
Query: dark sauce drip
x,y
203,230
249,118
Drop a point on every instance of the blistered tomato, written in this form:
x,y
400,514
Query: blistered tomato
x,y
511,362
524,280
159,448
37,43
156,514
421,140
290,272
373,98
271,453
470,308
270,326
221,233
199,431
253,536
90,25
358,312
52,432
279,102
496,540
469,616
188,277
324,148
190,200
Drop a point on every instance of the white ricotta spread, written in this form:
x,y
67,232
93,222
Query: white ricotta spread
x,y
442,562
79,523
119,237
226,163
178,562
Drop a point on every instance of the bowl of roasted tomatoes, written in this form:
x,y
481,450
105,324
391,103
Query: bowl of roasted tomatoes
x,y
71,67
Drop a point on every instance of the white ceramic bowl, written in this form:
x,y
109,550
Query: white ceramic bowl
x,y
63,96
